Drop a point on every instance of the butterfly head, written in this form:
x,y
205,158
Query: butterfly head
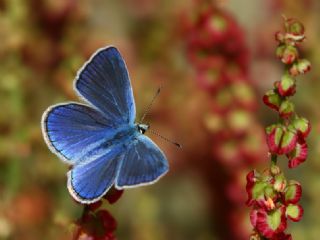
x,y
142,128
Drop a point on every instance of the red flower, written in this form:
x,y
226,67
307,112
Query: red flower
x,y
209,79
294,212
289,54
287,86
113,195
303,126
272,100
302,66
94,206
261,194
252,178
254,217
292,193
280,139
96,226
269,224
294,27
286,109
282,236
298,155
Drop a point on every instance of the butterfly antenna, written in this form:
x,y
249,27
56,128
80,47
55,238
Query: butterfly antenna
x,y
166,139
150,104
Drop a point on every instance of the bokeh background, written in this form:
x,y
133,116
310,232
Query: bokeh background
x,y
211,105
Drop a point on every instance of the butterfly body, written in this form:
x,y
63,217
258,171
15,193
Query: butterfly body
x,y
100,138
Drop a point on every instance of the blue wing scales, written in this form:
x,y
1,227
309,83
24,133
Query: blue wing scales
x,y
88,182
142,164
104,82
76,132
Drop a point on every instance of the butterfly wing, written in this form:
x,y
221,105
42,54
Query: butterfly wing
x,y
142,164
104,82
76,132
89,181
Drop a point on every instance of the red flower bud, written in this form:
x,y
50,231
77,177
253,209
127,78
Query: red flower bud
x,y
280,183
113,195
255,236
272,100
243,94
269,224
280,50
294,71
302,66
280,140
209,79
108,221
298,155
216,26
287,86
254,190
253,217
275,170
94,206
260,191
292,193
294,27
99,225
289,55
302,125
294,212
282,236
286,109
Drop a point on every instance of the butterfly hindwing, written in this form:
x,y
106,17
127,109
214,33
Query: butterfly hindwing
x,y
142,164
104,82
88,182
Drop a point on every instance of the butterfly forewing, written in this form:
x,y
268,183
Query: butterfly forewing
x,y
75,132
104,82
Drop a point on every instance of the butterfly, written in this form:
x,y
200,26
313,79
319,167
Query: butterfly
x,y
100,138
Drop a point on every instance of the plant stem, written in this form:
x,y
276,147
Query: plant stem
x,y
274,159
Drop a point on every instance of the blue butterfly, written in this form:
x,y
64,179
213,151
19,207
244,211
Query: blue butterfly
x,y
100,139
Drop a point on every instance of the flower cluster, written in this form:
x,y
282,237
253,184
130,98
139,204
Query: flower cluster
x,y
96,223
288,136
217,51
216,48
272,197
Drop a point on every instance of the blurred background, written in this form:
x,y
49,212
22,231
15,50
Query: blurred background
x,y
215,60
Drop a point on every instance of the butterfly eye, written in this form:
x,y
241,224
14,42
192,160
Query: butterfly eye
x,y
142,131
142,128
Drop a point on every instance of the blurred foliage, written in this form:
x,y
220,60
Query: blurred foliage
x,y
44,43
